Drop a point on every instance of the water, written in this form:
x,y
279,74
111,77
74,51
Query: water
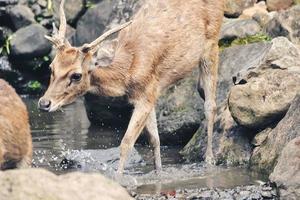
x,y
69,134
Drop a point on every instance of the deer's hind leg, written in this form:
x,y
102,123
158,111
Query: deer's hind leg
x,y
151,128
207,86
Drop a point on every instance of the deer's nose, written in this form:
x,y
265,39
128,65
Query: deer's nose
x,y
44,104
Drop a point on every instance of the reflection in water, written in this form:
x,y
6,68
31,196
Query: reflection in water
x,y
57,135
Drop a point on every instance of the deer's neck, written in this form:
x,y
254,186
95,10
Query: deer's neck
x,y
111,80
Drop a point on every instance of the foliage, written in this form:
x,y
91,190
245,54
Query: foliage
x,y
34,86
89,4
6,47
297,1
260,37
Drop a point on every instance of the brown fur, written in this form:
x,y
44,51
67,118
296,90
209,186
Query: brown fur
x,y
15,137
165,41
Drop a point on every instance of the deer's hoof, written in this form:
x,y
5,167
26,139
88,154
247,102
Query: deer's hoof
x,y
210,160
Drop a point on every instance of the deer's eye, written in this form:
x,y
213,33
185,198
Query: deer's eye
x,y
76,77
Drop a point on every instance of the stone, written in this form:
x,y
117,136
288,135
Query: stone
x,y
275,5
286,174
43,184
93,23
72,12
259,8
21,16
262,97
265,156
29,42
239,28
8,2
233,8
286,24
103,16
180,111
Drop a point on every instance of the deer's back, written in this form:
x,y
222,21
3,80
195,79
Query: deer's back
x,y
166,34
15,138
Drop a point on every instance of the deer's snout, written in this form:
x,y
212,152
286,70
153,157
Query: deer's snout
x,y
44,104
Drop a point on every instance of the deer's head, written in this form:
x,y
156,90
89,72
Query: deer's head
x,y
70,67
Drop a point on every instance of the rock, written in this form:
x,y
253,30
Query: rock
x,y
265,156
102,16
239,28
15,137
93,23
230,143
21,16
286,174
8,2
13,76
233,8
263,97
179,111
72,12
274,5
259,8
29,42
286,24
15,184
99,160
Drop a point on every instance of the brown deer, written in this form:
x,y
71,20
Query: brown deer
x,y
15,137
163,43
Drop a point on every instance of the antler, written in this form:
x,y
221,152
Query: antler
x,y
92,46
58,38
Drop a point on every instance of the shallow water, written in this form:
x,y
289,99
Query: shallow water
x,y
68,133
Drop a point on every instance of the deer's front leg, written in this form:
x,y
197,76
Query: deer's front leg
x,y
137,122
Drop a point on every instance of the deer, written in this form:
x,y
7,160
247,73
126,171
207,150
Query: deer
x,y
15,136
162,43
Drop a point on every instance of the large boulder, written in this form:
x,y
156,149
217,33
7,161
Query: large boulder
x,y
275,5
286,24
180,111
233,8
268,89
36,184
21,16
239,28
102,16
72,12
29,42
286,174
265,155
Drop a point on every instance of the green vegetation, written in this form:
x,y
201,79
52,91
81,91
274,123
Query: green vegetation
x,y
6,46
49,5
34,86
89,4
297,1
260,37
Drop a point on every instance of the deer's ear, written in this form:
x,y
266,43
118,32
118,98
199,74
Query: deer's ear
x,y
106,53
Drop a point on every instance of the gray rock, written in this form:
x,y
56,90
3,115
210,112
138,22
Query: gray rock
x,y
265,156
35,184
287,24
180,111
21,16
8,2
102,16
29,42
239,28
72,12
233,8
93,23
287,171
263,97
276,5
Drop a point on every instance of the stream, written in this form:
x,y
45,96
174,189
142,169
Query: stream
x,y
65,141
